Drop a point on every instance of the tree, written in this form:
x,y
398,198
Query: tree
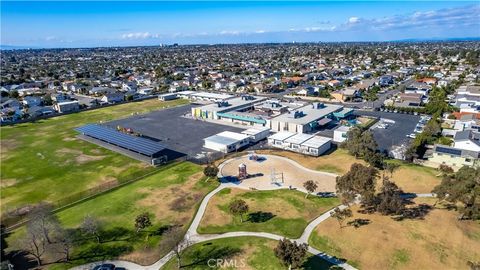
x,y
462,187
91,225
359,143
142,221
445,169
42,219
3,243
389,199
238,208
65,244
341,214
210,171
310,186
174,240
390,167
359,180
34,242
290,253
14,94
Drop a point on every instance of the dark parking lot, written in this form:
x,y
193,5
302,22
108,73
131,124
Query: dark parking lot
x,y
395,134
177,133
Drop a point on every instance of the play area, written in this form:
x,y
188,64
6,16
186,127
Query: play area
x,y
265,172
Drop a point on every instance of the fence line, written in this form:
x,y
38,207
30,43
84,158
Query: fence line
x,y
20,220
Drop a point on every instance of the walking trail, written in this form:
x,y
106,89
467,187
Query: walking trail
x,y
192,237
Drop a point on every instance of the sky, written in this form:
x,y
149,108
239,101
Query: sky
x,y
124,23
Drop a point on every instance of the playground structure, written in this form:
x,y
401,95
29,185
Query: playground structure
x,y
274,171
242,171
276,178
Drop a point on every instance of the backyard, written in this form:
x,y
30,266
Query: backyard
x,y
284,212
44,161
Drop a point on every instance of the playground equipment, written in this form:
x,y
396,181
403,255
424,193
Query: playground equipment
x,y
242,171
253,157
276,178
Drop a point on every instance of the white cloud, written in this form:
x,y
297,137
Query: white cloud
x,y
353,19
139,35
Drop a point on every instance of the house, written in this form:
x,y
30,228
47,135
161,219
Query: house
x,y
418,88
60,97
31,101
467,95
11,103
467,140
67,106
99,91
386,80
428,80
113,97
452,157
145,90
38,111
409,100
345,94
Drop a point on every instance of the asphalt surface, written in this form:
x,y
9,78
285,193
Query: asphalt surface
x,y
395,134
177,133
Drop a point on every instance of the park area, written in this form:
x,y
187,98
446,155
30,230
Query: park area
x,y
434,240
286,173
44,161
283,212
239,253
170,197
409,177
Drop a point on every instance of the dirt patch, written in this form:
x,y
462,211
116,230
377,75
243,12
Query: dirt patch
x,y
439,241
80,157
7,145
7,182
69,139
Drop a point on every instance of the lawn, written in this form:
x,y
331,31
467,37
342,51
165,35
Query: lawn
x,y
438,241
415,178
239,253
171,196
44,161
284,212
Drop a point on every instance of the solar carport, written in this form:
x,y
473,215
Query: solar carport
x,y
139,145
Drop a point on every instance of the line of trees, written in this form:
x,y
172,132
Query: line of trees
x,y
361,144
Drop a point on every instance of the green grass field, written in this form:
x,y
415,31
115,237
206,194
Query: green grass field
x,y
284,212
239,253
116,211
44,161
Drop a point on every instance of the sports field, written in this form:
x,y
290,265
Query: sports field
x,y
44,161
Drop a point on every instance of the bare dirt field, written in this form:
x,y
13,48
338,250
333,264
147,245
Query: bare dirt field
x,y
438,241
294,174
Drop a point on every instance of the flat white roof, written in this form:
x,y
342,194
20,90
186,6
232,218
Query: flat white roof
x,y
280,136
299,138
342,129
186,93
316,141
67,102
311,113
254,131
211,95
233,103
227,138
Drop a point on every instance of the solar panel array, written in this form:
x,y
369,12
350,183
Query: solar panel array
x,y
133,143
451,151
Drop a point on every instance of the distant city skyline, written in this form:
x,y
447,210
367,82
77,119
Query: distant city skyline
x,y
91,24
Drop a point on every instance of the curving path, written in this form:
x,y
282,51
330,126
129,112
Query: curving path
x,y
193,237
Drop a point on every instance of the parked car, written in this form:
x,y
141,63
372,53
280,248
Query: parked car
x,y
105,266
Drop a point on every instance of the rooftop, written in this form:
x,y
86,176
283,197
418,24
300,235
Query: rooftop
x,y
316,141
310,113
299,138
227,137
233,103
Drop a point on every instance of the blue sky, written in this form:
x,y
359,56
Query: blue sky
x,y
124,23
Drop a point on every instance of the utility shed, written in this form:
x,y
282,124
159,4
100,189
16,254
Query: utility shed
x,y
257,134
226,141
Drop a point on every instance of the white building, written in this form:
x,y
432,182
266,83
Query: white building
x,y
304,119
257,134
67,106
340,134
301,143
226,141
